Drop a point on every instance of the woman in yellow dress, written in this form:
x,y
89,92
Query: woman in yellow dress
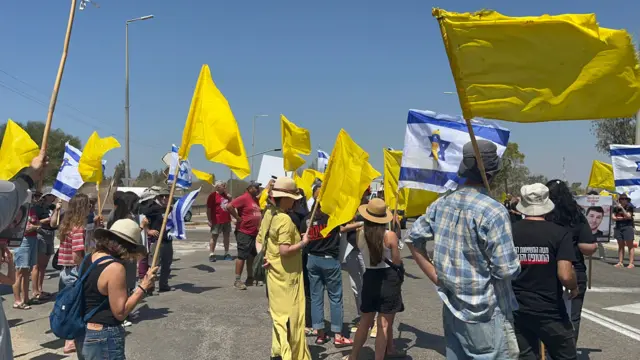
x,y
285,284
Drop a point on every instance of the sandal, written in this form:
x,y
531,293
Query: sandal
x,y
619,265
21,306
342,342
310,332
631,266
321,340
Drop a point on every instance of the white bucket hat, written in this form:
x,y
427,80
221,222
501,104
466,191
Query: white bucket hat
x,y
125,230
535,200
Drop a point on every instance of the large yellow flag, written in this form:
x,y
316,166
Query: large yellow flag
x,y
295,140
413,202
602,176
305,182
347,177
211,124
540,68
203,176
90,164
17,150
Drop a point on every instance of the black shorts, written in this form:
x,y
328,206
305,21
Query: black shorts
x,y
381,291
625,233
246,245
557,335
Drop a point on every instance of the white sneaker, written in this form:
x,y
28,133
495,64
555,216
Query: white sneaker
x,y
126,323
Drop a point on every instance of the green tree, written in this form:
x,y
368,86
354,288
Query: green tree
x,y
513,174
532,179
55,147
145,178
119,173
577,188
613,131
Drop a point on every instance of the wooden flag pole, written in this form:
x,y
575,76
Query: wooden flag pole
x,y
313,214
166,216
590,268
56,85
476,150
100,208
543,351
99,201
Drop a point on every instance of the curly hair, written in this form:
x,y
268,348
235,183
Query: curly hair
x,y
119,249
76,214
567,212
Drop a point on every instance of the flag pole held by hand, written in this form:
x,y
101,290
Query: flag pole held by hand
x,y
166,216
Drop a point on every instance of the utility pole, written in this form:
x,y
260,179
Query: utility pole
x,y
564,170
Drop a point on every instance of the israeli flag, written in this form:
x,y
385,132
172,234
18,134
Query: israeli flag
x,y
68,180
626,167
184,174
323,160
433,149
175,222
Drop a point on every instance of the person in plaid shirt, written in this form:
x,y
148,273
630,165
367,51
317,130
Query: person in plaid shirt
x,y
473,264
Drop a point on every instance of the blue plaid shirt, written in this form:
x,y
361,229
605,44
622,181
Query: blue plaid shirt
x,y
474,255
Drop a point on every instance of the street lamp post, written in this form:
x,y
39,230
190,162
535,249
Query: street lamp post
x,y
253,141
126,97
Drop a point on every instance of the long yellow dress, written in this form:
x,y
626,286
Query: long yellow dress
x,y
285,286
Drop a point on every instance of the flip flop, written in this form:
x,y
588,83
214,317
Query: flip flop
x,y
21,306
631,266
343,342
321,340
618,265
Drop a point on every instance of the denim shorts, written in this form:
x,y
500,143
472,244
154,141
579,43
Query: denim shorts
x,y
26,256
68,276
107,343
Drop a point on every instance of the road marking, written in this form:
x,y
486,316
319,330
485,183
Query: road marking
x,y
631,308
611,324
615,290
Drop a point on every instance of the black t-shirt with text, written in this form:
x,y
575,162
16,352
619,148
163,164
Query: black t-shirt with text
x,y
580,234
319,245
540,245
624,223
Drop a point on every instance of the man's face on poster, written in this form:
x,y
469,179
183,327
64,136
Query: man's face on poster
x,y
595,219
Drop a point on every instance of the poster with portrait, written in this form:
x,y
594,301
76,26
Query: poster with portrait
x,y
15,231
597,210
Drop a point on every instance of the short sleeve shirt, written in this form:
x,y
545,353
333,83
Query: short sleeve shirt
x,y
33,220
249,212
73,242
217,204
626,222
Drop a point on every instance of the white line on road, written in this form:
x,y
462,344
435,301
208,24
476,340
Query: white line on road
x,y
611,324
631,308
616,290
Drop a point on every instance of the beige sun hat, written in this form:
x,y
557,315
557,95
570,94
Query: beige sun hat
x,y
285,187
125,230
376,211
535,200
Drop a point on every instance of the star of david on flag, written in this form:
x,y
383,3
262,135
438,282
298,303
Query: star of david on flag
x,y
185,177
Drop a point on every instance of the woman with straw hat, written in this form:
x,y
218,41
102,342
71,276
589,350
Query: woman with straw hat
x,y
285,284
105,289
382,280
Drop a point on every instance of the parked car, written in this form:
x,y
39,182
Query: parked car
x,y
188,215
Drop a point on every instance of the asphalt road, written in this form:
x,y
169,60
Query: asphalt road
x,y
206,318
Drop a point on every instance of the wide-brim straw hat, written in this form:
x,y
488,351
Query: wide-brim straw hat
x,y
125,230
376,212
535,200
285,187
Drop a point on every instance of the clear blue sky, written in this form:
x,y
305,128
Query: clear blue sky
x,y
358,64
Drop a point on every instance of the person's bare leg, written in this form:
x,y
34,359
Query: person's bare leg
x,y
383,335
17,286
239,267
43,271
25,286
361,334
35,279
632,252
620,253
212,243
225,241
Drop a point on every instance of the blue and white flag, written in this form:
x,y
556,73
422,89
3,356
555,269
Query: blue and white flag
x,y
433,149
323,160
184,174
68,180
626,167
175,222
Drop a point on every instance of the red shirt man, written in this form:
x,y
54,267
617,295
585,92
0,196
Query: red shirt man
x,y
219,219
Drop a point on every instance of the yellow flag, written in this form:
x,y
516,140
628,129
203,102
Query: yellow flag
x,y
295,140
540,68
203,176
90,164
413,202
17,150
347,177
211,124
601,176
305,182
263,199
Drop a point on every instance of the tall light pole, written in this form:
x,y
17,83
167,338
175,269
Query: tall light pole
x,y
127,160
253,141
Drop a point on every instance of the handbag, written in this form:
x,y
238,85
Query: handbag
x,y
259,272
399,269
54,262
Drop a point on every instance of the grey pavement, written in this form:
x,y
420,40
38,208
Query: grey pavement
x,y
206,318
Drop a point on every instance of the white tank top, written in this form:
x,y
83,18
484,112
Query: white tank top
x,y
362,245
